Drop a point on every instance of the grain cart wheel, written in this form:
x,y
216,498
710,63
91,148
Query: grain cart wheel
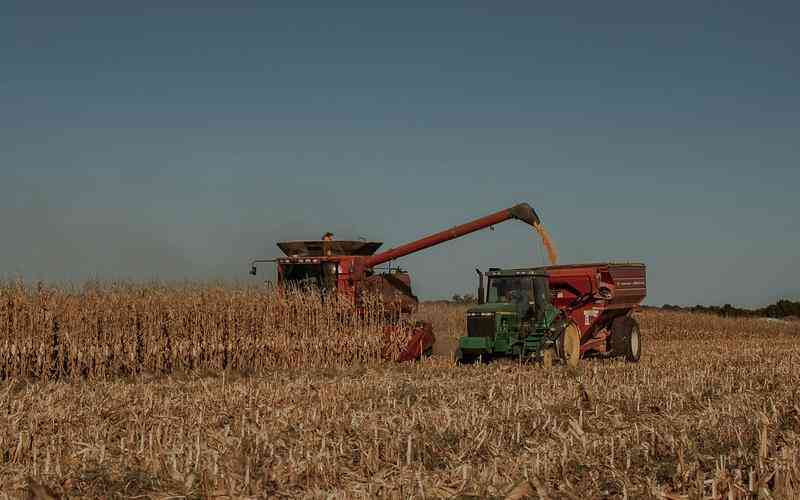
x,y
569,345
625,339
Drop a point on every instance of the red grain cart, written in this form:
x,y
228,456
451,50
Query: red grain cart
x,y
599,298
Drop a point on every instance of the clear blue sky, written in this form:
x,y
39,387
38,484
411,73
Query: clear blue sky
x,y
143,142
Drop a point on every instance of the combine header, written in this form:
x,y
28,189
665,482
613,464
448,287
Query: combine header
x,y
348,267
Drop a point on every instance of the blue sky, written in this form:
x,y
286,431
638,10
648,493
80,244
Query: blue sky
x,y
141,142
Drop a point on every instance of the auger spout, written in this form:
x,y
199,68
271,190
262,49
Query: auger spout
x,y
521,211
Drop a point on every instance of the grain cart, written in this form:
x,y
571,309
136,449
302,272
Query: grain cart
x,y
349,267
578,310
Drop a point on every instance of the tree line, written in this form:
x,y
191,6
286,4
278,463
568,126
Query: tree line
x,y
780,309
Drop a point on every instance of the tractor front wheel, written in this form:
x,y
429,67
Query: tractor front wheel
x,y
464,359
625,339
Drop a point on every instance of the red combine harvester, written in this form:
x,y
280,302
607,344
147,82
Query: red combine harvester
x,y
348,267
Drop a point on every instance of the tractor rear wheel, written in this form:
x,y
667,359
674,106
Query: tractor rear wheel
x,y
625,339
569,345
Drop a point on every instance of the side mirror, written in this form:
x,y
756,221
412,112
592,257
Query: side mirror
x,y
253,270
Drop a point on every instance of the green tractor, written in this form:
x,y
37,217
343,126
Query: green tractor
x,y
572,310
517,319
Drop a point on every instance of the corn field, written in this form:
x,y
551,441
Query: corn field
x,y
244,394
110,330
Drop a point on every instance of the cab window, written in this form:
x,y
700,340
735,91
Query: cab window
x,y
500,288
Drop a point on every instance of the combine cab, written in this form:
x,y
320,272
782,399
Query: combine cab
x,y
322,265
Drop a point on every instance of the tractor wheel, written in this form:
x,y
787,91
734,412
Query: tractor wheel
x,y
625,339
569,345
463,359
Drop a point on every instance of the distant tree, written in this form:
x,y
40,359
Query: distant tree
x,y
467,298
780,309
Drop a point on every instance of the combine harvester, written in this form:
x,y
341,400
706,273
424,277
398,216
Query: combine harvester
x,y
348,267
577,310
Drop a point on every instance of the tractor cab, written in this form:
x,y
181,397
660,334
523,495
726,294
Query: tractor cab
x,y
514,317
528,290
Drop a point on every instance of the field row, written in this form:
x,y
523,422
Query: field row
x,y
127,330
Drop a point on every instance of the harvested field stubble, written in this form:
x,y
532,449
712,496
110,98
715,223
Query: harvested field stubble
x,y
711,411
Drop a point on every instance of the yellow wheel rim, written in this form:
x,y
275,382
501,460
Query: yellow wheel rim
x,y
572,345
